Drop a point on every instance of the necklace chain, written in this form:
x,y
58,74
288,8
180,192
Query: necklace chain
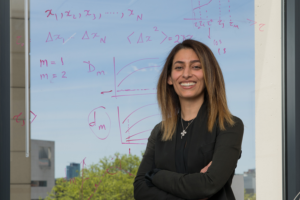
x,y
184,129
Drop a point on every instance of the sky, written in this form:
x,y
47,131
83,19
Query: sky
x,y
95,66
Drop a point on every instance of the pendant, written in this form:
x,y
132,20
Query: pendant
x,y
183,133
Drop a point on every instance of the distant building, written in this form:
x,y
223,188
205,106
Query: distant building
x,y
42,168
73,170
237,186
250,181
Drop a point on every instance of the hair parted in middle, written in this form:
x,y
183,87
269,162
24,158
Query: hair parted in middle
x,y
214,91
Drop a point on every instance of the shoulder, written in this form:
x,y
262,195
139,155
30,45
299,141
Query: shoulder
x,y
238,123
152,140
157,127
155,131
232,135
236,129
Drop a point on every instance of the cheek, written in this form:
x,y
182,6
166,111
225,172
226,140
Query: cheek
x,y
172,79
175,75
200,76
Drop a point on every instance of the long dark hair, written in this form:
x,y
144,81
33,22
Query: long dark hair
x,y
214,93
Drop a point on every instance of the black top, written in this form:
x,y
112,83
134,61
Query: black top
x,y
182,143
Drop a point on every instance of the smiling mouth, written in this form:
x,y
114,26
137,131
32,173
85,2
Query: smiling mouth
x,y
187,83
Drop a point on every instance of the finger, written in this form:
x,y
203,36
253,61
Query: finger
x,y
204,170
209,164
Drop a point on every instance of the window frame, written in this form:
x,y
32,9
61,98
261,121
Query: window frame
x,y
290,99
5,99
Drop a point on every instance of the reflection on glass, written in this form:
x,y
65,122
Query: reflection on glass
x,y
94,69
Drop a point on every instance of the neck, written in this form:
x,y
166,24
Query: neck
x,y
190,107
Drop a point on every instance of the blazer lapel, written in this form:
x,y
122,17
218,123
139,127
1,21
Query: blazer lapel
x,y
165,153
195,161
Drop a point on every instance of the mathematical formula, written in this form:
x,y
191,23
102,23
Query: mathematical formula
x,y
23,121
68,14
108,57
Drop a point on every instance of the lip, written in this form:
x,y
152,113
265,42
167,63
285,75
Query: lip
x,y
187,82
187,87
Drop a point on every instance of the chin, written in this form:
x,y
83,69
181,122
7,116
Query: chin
x,y
190,96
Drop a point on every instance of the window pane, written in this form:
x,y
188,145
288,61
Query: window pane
x,y
94,72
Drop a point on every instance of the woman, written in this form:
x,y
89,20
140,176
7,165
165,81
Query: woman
x,y
197,131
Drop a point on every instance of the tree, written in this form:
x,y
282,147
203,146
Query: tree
x,y
108,179
248,196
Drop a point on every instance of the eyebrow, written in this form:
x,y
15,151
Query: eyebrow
x,y
192,61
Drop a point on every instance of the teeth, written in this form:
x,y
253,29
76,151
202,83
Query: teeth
x,y
188,84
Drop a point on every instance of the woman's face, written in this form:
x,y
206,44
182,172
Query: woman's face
x,y
187,75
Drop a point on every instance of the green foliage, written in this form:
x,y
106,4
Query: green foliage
x,y
248,196
108,179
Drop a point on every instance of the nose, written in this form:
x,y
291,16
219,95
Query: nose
x,y
186,72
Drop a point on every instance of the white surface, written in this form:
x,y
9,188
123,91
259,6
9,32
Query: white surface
x,y
268,95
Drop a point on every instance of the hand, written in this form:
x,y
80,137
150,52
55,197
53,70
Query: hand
x,y
205,168
203,171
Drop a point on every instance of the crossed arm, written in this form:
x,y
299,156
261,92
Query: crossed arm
x,y
141,189
172,185
200,185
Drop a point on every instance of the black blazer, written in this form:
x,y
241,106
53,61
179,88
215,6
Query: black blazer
x,y
223,148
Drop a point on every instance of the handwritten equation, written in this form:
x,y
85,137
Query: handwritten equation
x,y
108,57
137,38
89,67
16,117
100,124
20,41
254,22
68,14
44,63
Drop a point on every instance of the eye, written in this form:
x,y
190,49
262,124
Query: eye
x,y
197,67
178,67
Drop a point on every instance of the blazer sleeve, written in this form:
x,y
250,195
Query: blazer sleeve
x,y
141,189
201,185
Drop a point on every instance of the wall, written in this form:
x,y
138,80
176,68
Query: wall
x,y
268,100
39,173
20,165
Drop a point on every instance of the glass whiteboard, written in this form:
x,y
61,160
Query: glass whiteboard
x,y
95,66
